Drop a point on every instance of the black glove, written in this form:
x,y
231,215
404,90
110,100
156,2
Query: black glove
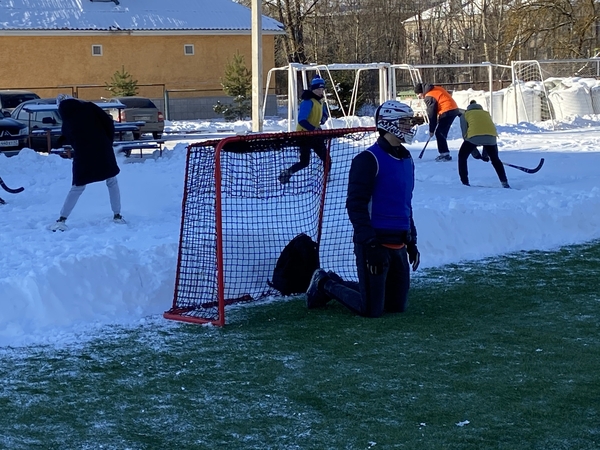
x,y
414,257
375,256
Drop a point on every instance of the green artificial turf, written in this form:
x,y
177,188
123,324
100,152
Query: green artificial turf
x,y
499,354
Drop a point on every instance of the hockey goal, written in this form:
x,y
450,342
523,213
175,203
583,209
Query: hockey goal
x,y
237,216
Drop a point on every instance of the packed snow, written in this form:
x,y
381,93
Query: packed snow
x,y
57,287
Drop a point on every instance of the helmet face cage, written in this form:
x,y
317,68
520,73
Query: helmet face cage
x,y
396,118
403,129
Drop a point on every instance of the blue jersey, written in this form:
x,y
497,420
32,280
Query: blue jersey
x,y
392,193
380,186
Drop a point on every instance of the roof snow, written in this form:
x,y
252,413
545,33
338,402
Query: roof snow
x,y
128,15
448,8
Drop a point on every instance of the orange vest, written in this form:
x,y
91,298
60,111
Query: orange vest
x,y
444,100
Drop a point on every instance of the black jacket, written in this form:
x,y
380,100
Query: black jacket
x,y
361,183
90,131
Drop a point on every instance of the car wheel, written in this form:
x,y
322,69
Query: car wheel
x,y
157,135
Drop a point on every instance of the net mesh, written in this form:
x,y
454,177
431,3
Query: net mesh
x,y
238,217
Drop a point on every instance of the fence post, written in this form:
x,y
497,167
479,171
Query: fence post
x,y
166,100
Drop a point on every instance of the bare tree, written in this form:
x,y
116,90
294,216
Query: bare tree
x,y
434,31
556,28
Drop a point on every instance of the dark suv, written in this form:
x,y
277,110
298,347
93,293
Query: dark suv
x,y
13,134
11,98
140,109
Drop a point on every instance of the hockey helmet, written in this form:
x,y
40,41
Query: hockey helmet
x,y
396,118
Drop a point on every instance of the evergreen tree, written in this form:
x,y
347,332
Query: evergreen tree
x,y
121,84
237,83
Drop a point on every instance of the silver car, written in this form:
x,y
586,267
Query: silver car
x,y
140,109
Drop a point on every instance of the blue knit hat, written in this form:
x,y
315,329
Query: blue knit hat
x,y
317,83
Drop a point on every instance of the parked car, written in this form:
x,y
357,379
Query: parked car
x,y
13,134
39,119
46,119
140,109
11,98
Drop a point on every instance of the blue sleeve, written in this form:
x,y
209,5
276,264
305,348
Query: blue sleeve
x,y
325,114
303,113
306,125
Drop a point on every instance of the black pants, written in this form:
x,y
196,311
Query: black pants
x,y
492,151
318,145
441,132
374,294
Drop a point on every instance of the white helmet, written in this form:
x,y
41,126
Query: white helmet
x,y
396,118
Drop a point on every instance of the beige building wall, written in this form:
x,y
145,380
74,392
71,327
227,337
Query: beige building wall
x,y
66,62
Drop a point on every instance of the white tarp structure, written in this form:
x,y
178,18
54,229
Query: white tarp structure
x,y
571,97
527,102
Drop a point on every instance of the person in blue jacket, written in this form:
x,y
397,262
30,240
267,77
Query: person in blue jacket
x,y
312,113
379,205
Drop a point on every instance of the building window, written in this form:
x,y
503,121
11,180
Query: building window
x,y
188,49
96,50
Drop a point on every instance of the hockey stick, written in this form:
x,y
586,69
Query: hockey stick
x,y
423,151
7,189
426,143
525,169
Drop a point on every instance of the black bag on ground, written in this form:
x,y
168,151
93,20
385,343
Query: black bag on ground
x,y
295,266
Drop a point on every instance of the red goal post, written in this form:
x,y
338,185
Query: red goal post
x,y
237,216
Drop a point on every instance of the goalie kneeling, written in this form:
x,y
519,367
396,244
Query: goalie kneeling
x,y
379,204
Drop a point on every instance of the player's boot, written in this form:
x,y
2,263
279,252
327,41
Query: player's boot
x,y
59,225
315,296
444,157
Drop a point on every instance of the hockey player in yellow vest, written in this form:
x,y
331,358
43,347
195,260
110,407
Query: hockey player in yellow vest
x,y
479,129
312,113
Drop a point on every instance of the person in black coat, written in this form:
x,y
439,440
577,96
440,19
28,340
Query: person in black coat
x,y
90,131
379,204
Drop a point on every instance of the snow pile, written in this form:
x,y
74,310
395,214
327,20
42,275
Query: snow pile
x,y
60,286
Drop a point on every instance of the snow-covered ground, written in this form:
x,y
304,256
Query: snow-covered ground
x,y
58,287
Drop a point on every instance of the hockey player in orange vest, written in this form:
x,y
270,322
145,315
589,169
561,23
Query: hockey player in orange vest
x,y
441,110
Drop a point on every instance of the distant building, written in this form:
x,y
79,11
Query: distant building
x,y
443,33
176,46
